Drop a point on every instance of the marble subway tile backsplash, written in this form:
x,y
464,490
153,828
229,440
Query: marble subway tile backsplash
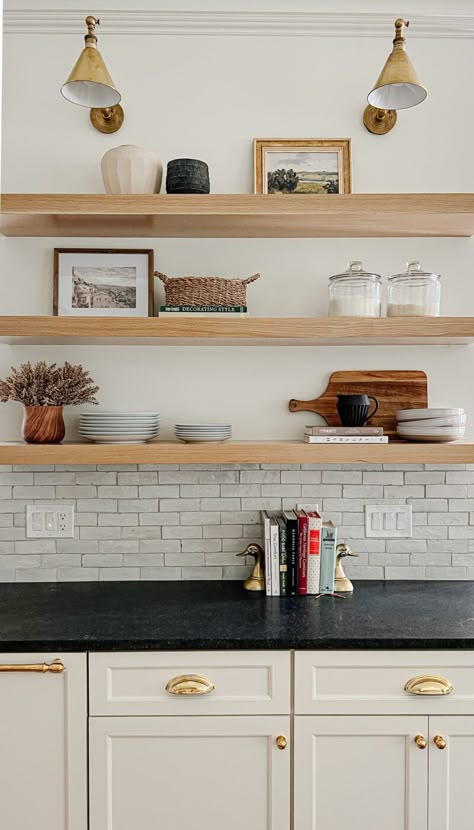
x,y
170,522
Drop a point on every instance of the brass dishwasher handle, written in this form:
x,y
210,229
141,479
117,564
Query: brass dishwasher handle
x,y
428,684
420,741
189,684
439,741
56,667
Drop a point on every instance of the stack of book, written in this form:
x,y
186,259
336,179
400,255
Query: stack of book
x,y
344,435
228,311
300,553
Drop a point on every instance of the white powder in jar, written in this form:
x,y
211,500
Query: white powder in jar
x,y
357,305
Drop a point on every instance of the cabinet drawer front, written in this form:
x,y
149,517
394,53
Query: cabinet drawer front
x,y
373,682
135,683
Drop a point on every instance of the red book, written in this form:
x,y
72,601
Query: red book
x,y
302,552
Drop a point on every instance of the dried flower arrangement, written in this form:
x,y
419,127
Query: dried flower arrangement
x,y
43,385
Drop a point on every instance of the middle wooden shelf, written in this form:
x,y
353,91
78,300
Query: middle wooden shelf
x,y
245,331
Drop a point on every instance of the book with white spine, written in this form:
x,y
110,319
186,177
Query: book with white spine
x,y
268,553
314,552
275,555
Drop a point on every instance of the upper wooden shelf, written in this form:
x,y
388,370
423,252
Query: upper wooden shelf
x,y
237,452
293,331
348,215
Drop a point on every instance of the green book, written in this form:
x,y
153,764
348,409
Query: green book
x,y
328,558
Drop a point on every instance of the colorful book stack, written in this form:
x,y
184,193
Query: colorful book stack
x,y
203,311
344,435
300,553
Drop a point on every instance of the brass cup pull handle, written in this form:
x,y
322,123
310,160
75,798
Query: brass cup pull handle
x,y
421,742
281,742
439,741
428,684
189,684
56,667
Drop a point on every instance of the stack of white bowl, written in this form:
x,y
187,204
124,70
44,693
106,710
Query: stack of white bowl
x,y
105,427
197,433
435,426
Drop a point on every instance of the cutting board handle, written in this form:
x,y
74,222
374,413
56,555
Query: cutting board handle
x,y
300,406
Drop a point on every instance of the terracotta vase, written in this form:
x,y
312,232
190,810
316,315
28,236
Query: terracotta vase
x,y
43,425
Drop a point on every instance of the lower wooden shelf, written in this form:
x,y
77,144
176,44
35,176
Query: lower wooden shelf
x,y
237,452
245,331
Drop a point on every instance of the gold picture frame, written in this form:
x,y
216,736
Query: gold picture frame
x,y
273,156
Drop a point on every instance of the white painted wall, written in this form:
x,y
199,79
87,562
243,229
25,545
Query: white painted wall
x,y
208,97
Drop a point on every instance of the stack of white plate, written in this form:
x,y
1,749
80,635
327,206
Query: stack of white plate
x,y
435,426
104,427
197,433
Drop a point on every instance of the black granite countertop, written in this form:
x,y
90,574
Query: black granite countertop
x,y
90,616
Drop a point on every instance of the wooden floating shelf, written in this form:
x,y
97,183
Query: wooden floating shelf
x,y
148,216
237,452
295,331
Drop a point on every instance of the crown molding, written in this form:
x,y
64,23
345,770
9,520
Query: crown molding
x,y
246,23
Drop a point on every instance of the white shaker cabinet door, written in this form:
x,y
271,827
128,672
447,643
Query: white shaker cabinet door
x,y
189,772
451,768
43,742
362,773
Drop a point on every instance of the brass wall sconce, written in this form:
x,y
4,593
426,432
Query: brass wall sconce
x,y
396,88
90,85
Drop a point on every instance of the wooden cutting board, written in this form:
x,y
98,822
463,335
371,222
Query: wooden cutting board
x,y
393,389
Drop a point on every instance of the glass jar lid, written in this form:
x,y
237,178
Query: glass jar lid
x,y
414,271
355,271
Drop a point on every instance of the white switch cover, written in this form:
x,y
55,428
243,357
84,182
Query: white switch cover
x,y
388,521
50,521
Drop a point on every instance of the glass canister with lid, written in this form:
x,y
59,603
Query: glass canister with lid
x,y
355,293
414,292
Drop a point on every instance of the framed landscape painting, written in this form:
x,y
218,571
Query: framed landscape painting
x,y
90,282
301,166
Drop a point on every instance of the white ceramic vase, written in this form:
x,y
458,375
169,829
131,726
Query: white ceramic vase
x,y
131,169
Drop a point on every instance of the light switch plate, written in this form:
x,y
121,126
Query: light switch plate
x,y
50,521
388,521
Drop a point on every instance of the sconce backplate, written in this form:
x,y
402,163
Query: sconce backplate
x,y
379,121
107,120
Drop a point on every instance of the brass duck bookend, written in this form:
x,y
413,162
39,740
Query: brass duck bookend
x,y
343,583
256,580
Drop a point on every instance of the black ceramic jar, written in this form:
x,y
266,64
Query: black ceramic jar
x,y
187,176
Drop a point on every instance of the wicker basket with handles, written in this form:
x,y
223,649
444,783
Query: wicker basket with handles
x,y
200,291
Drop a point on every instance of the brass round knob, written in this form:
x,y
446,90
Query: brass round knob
x,y
281,742
421,742
439,741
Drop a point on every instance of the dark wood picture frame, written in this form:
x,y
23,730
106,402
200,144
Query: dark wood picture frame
x,y
148,251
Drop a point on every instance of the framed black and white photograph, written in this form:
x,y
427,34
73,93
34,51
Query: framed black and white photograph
x,y
91,282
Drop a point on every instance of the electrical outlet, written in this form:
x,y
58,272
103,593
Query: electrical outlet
x,y
388,521
50,521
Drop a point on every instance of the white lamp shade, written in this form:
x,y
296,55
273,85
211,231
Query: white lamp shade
x,y
397,96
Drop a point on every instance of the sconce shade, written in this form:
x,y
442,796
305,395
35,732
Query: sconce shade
x,y
89,83
397,86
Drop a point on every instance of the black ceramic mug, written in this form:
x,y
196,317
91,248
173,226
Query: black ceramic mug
x,y
353,410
